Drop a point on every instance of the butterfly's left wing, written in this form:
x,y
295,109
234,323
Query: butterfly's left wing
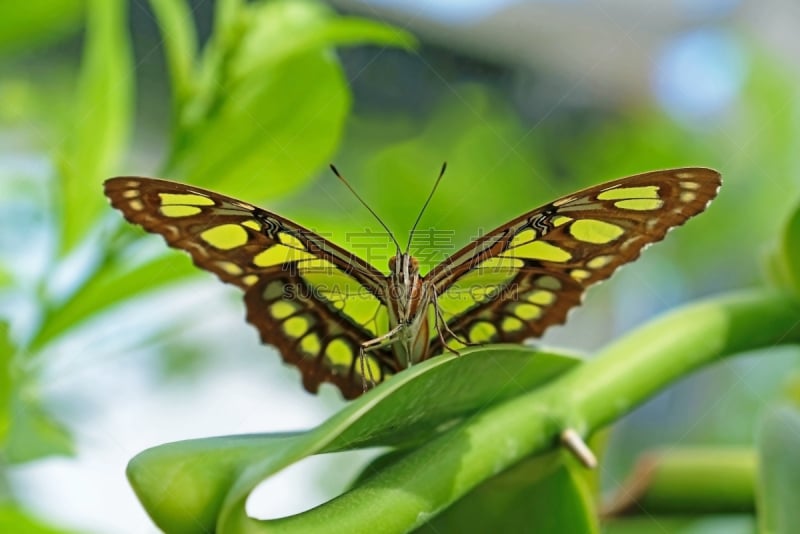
x,y
313,300
523,277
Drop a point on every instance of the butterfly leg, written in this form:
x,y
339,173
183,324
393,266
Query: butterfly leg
x,y
441,322
381,341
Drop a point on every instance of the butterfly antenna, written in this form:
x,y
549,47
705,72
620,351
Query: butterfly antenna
x,y
424,206
350,187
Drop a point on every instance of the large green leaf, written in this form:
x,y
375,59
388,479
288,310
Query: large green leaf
x,y
272,89
205,482
102,116
277,129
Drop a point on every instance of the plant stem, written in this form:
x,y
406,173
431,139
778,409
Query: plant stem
x,y
643,362
689,481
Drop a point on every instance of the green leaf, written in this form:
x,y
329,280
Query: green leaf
x,y
34,433
102,117
542,495
779,476
280,30
38,22
14,519
278,127
185,485
270,85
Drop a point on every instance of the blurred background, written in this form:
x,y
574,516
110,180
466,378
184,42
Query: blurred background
x,y
112,343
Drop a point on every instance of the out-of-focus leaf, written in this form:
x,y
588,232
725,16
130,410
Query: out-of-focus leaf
x,y
34,433
180,43
5,277
543,495
110,286
277,132
102,116
779,471
230,26
185,485
6,354
786,260
181,359
279,30
17,521
37,22
277,95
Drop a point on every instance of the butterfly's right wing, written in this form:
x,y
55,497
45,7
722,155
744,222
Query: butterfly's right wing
x,y
310,298
523,277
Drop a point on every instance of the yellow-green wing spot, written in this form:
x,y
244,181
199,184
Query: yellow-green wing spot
x,y
525,245
595,232
185,199
643,198
622,193
225,236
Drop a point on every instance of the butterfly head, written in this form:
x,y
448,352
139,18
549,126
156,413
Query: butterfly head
x,y
404,268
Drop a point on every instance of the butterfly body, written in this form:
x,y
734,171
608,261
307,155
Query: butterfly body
x,y
341,320
409,301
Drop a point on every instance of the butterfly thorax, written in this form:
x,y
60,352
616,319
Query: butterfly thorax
x,y
409,299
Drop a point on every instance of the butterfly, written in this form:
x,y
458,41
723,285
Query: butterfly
x,y
341,320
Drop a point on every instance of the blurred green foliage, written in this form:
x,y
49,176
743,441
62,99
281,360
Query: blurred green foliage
x,y
99,128
784,259
37,23
257,111
14,520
